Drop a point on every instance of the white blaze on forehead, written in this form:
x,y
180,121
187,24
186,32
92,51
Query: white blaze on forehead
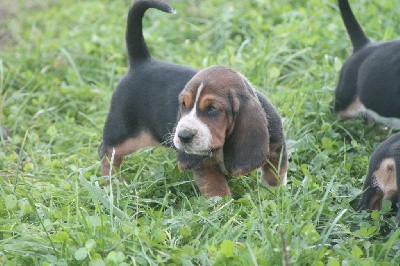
x,y
192,114
202,138
199,90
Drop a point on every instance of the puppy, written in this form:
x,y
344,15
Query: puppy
x,y
144,105
369,81
144,111
383,176
226,127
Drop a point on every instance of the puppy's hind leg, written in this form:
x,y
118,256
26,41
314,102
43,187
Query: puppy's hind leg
x,y
276,166
112,156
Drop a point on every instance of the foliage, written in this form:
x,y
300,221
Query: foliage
x,y
57,73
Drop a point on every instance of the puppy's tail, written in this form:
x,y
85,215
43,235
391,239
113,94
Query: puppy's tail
x,y
356,33
136,45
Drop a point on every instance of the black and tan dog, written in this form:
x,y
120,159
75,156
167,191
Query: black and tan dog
x,y
369,82
383,176
225,127
144,105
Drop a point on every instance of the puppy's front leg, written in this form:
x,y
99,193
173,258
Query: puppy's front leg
x,y
371,198
277,162
210,180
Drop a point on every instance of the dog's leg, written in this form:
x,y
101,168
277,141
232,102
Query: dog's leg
x,y
115,154
277,162
210,180
371,199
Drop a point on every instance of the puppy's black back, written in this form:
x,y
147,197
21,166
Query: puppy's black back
x,y
146,98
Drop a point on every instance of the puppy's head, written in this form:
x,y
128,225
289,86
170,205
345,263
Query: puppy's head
x,y
219,110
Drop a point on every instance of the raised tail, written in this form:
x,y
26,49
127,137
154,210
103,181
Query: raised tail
x,y
356,33
135,43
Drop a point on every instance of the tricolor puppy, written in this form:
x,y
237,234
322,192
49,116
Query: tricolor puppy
x,y
144,105
226,127
369,82
383,176
230,128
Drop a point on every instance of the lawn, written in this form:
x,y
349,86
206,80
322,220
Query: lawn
x,y
61,60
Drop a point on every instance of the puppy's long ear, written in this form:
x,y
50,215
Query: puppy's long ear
x,y
247,147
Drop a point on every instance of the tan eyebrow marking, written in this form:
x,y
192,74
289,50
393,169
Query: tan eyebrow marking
x,y
207,100
187,98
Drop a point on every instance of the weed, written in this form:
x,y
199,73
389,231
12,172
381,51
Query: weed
x,y
56,81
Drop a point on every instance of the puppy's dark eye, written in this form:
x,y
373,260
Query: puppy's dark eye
x,y
212,111
183,105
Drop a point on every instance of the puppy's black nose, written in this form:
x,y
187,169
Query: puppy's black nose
x,y
186,136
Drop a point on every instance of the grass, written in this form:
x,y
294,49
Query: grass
x,y
58,67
